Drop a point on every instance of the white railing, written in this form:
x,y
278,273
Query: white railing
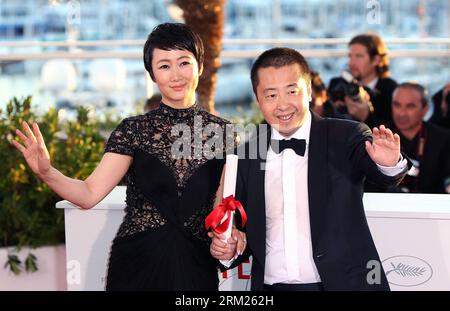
x,y
408,229
248,54
74,51
268,41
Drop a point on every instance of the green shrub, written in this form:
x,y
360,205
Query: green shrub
x,y
253,116
28,216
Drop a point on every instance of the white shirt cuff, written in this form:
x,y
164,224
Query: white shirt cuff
x,y
227,263
394,170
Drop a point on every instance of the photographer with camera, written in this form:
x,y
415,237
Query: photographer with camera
x,y
441,100
320,101
365,92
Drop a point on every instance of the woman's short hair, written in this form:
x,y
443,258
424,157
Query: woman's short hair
x,y
172,36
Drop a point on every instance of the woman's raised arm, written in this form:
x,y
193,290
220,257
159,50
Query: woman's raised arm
x,y
85,194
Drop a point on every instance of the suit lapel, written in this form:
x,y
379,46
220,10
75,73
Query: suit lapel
x,y
317,177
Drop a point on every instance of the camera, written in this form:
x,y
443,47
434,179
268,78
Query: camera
x,y
347,86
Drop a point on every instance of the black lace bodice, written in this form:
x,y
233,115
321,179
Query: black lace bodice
x,y
178,156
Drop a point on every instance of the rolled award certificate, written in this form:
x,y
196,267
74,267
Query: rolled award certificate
x,y
229,189
221,219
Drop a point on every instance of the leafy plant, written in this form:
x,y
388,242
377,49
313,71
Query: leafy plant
x,y
28,216
253,116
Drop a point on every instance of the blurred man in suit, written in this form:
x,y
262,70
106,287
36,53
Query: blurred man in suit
x,y
441,101
426,144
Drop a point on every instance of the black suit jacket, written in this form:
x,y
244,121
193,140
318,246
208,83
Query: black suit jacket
x,y
341,241
435,167
437,117
381,99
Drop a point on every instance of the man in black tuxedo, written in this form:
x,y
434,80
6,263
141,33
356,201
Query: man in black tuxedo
x,y
303,192
368,62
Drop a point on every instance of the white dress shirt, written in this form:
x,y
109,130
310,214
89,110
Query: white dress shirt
x,y
372,84
289,257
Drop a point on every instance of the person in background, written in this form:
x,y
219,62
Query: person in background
x,y
368,63
441,101
320,103
152,103
427,145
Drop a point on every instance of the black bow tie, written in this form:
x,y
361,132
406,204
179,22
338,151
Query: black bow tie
x,y
298,145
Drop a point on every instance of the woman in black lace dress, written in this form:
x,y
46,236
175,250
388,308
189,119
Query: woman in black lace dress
x,y
171,159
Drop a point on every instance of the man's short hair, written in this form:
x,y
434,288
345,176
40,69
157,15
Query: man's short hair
x,y
416,87
279,57
375,46
172,36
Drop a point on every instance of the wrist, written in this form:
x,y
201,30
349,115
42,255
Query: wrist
x,y
388,164
46,176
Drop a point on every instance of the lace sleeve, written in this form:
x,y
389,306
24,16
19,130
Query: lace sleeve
x,y
233,139
123,139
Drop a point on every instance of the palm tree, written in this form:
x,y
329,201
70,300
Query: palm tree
x,y
206,18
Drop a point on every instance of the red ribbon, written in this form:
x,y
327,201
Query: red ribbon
x,y
227,205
